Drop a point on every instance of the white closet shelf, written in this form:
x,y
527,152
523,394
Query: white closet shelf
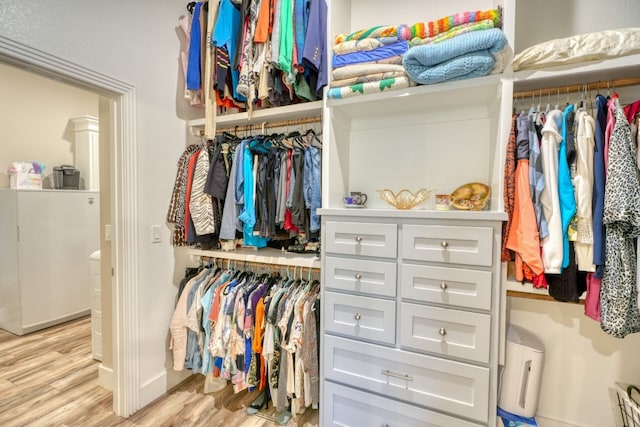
x,y
480,90
288,112
263,256
583,72
415,213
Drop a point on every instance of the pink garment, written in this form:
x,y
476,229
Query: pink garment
x,y
592,300
178,326
611,121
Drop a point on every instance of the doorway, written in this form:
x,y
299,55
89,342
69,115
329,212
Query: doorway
x,y
117,117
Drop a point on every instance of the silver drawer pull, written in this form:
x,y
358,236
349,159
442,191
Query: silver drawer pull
x,y
395,375
358,239
442,332
358,276
357,316
444,286
444,244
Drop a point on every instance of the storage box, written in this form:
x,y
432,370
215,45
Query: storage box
x,y
28,181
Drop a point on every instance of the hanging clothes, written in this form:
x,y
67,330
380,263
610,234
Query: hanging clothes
x,y
619,293
256,331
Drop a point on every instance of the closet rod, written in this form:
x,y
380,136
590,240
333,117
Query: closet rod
x,y
266,125
258,264
610,84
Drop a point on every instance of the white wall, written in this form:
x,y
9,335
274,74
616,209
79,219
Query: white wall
x,y
136,42
582,363
541,20
35,114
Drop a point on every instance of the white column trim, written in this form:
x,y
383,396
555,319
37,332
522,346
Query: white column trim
x,y
85,123
126,392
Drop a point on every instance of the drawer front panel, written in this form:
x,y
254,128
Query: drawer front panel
x,y
361,239
449,332
367,277
443,285
344,406
360,317
448,244
444,385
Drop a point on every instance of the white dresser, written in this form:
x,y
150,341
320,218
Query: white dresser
x,y
411,318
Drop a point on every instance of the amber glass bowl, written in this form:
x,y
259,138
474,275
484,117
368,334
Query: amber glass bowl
x,y
404,199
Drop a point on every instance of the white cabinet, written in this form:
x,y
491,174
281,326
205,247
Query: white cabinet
x,y
417,330
430,277
47,239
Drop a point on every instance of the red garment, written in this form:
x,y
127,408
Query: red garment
x,y
523,237
192,167
288,224
631,110
509,188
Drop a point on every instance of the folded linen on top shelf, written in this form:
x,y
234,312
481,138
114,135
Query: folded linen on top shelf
x,y
392,83
381,53
357,70
473,54
487,24
367,78
424,29
579,48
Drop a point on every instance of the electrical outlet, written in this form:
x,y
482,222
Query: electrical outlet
x,y
156,234
107,232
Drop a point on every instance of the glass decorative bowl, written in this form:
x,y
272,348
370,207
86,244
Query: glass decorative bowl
x,y
404,199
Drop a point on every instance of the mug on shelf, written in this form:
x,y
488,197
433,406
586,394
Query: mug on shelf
x,y
443,202
355,198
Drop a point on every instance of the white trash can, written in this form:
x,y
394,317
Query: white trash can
x,y
522,373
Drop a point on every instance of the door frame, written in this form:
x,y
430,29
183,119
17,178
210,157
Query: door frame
x,y
124,208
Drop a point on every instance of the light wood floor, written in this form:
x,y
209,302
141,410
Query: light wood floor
x,y
48,378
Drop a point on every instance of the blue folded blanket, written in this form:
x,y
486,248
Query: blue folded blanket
x,y
461,57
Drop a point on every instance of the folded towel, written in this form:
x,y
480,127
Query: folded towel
x,y
393,83
368,78
487,24
461,57
424,29
357,70
373,55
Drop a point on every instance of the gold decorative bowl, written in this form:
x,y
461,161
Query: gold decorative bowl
x,y
405,199
473,196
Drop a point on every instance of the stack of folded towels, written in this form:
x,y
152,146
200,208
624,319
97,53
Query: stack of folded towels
x,y
459,46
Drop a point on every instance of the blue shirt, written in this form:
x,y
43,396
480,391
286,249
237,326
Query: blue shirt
x,y
566,193
226,30
315,43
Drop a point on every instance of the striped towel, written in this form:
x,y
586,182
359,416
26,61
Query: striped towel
x,y
423,30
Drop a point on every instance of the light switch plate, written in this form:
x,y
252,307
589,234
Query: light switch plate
x,y
156,234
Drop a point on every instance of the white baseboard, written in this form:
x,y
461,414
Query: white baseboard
x,y
548,422
105,377
153,389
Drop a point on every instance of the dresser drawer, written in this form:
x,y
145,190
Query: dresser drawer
x,y
445,285
449,244
360,317
444,385
361,239
448,332
364,276
344,406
